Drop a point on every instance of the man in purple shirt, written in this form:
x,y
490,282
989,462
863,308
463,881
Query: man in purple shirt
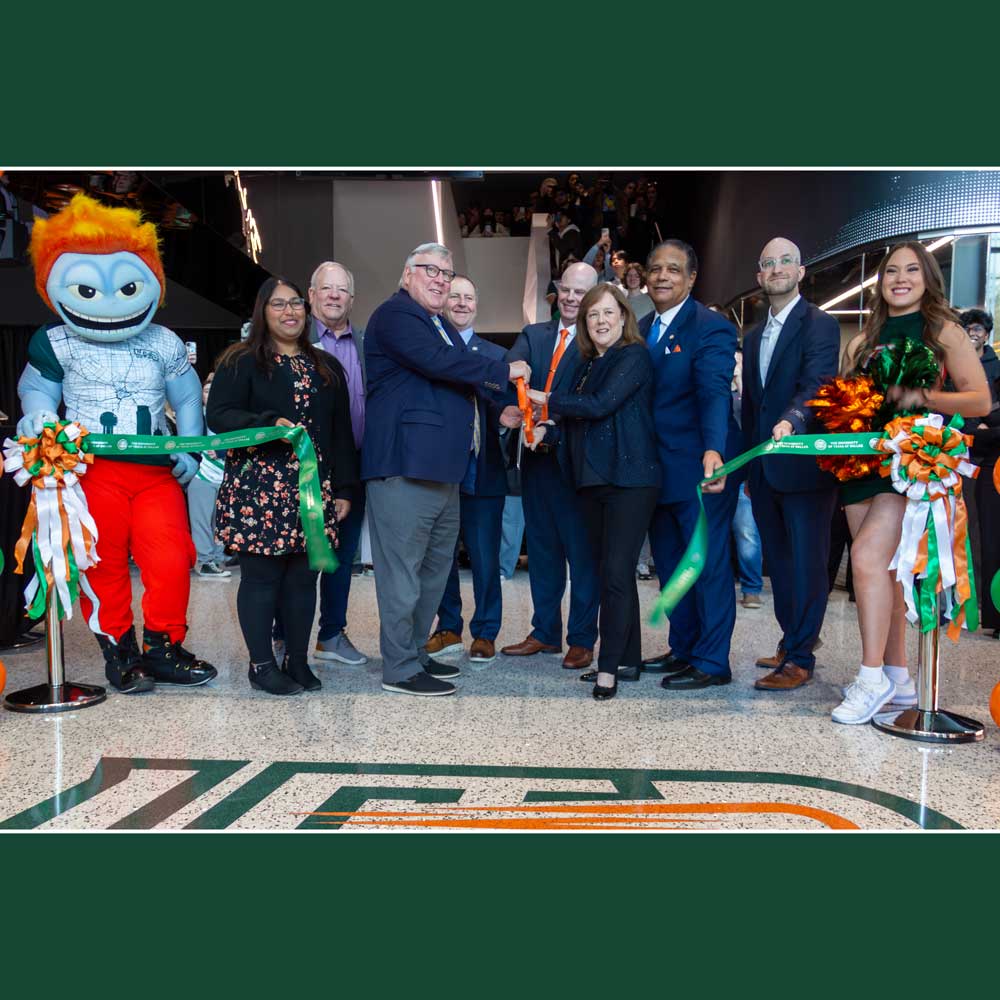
x,y
331,297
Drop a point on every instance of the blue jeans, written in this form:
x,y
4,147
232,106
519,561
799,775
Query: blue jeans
x,y
512,535
335,588
747,546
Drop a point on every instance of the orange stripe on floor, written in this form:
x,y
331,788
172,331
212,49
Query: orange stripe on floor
x,y
595,816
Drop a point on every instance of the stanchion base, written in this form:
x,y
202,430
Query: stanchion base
x,y
43,698
929,727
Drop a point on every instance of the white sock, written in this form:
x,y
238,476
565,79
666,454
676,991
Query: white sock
x,y
898,675
871,677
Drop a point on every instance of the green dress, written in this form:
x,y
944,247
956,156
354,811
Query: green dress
x,y
907,327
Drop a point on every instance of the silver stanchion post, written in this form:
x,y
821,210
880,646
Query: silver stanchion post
x,y
57,695
927,722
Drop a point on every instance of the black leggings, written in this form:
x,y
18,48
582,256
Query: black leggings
x,y
269,584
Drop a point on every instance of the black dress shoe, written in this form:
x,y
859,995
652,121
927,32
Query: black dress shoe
x,y
624,674
665,664
602,693
692,679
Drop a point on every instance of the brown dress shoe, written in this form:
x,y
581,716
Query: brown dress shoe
x,y
578,657
786,678
443,642
529,647
482,651
773,662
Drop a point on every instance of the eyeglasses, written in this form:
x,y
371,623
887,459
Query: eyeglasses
x,y
279,305
433,271
770,263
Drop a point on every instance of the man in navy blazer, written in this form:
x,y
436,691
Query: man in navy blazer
x,y
693,350
784,361
553,517
481,500
421,435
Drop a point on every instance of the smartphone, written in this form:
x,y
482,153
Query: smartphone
x,y
192,351
605,233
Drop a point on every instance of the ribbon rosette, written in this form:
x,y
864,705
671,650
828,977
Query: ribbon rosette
x,y
928,459
58,525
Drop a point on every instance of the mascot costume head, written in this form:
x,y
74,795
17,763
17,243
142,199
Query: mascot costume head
x,y
99,270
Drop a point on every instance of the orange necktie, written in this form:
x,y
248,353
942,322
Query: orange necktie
x,y
556,358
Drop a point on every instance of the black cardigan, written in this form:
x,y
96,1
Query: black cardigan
x,y
243,396
616,403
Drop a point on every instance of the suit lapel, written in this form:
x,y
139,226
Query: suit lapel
x,y
752,360
671,337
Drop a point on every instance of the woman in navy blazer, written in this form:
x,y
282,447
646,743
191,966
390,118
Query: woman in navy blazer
x,y
606,419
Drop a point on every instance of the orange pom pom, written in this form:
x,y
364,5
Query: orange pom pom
x,y
995,704
3,677
848,406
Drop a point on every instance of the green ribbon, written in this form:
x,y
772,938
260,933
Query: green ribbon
x,y
693,561
995,590
318,549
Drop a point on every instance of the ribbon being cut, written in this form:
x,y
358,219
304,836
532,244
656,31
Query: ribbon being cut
x,y
926,461
58,525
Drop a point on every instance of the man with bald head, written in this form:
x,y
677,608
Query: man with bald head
x,y
784,361
553,517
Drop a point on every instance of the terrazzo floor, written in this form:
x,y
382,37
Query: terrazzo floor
x,y
522,746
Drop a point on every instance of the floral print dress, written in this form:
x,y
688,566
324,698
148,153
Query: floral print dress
x,y
257,508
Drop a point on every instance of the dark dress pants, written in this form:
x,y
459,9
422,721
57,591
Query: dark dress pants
x,y
795,533
553,521
481,525
701,626
616,519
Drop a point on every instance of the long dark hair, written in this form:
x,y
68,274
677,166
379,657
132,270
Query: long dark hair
x,y
258,343
934,306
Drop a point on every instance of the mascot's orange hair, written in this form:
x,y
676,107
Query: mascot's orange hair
x,y
87,226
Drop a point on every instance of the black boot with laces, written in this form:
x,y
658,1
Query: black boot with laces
x,y
171,663
123,665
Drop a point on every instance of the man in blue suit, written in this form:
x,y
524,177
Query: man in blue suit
x,y
421,434
693,351
784,361
553,517
481,500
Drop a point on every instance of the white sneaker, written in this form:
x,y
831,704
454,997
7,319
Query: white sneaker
x,y
905,696
862,702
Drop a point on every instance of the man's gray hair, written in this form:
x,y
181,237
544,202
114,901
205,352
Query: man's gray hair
x,y
435,249
332,263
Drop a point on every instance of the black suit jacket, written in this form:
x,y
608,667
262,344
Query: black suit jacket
x,y
806,353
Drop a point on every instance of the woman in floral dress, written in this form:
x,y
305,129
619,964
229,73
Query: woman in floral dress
x,y
276,377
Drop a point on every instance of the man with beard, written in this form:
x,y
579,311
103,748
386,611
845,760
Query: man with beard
x,y
784,361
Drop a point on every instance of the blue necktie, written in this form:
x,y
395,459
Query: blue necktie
x,y
654,332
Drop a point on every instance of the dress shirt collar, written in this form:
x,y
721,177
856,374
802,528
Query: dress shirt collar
x,y
779,321
325,331
467,335
666,318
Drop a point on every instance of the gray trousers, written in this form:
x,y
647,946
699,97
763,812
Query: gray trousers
x,y
201,513
414,528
